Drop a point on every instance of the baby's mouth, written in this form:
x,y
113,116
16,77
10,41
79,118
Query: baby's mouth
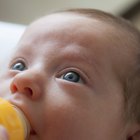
x,y
28,129
32,135
32,132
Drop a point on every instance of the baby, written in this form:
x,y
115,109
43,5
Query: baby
x,y
76,76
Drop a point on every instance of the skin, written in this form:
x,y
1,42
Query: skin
x,y
3,133
91,108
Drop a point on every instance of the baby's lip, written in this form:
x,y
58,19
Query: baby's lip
x,y
33,134
32,131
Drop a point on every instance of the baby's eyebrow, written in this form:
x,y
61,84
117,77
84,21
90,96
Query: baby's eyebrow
x,y
87,63
80,57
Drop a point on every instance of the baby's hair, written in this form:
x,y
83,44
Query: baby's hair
x,y
131,82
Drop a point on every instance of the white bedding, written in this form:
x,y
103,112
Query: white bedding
x,y
9,36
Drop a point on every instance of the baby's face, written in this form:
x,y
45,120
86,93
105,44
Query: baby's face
x,y
63,77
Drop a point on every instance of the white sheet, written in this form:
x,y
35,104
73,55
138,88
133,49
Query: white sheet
x,y
9,36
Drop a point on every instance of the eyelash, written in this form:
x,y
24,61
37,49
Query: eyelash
x,y
81,79
18,66
62,74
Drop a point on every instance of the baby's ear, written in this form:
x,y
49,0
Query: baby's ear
x,y
134,132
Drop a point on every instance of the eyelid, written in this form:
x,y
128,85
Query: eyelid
x,y
17,60
83,76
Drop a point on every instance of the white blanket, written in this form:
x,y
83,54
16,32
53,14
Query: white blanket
x,y
9,36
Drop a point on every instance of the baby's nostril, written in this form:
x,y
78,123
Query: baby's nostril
x,y
28,91
14,89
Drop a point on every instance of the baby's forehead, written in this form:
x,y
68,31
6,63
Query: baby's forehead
x,y
70,26
65,20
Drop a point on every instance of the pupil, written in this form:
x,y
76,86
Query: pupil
x,y
18,66
72,76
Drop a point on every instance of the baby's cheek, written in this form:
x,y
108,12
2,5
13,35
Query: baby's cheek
x,y
64,115
4,88
67,122
68,112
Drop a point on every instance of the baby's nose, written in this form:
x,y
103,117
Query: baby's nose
x,y
27,83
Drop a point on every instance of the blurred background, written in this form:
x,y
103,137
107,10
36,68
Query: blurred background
x,y
25,11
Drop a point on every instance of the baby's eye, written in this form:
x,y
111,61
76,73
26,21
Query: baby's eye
x,y
20,66
71,76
